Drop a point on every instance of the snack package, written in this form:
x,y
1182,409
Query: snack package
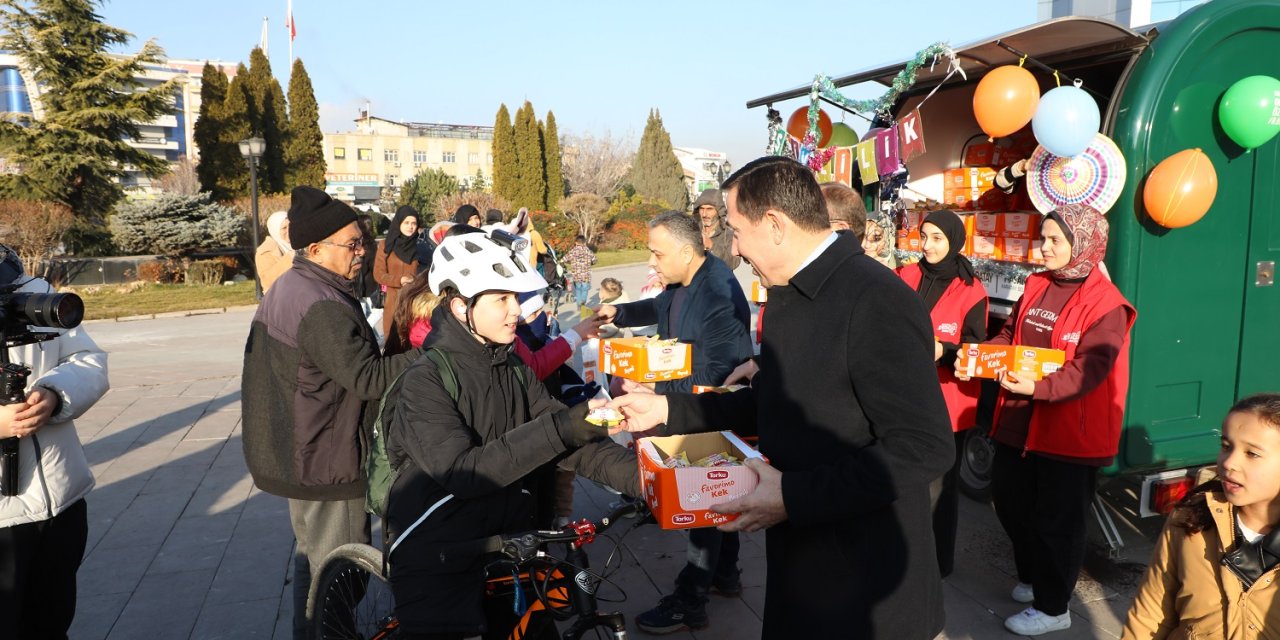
x,y
605,417
698,388
991,360
591,361
646,359
681,493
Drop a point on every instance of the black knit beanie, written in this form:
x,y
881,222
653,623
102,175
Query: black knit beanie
x,y
314,216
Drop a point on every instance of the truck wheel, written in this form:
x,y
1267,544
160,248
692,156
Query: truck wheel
x,y
975,465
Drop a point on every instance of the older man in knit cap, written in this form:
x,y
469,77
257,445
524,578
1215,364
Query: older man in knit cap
x,y
311,369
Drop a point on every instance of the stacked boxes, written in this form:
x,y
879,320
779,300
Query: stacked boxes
x,y
963,187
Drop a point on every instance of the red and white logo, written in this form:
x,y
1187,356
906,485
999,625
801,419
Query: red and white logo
x,y
683,518
717,475
949,328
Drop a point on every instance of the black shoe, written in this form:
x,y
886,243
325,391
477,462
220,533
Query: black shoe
x,y
671,615
728,587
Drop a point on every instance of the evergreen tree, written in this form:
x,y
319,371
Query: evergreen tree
x,y
425,190
268,120
237,118
304,149
504,155
531,191
89,102
656,172
479,182
215,155
555,174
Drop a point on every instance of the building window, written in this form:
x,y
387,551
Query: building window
x,y
391,181
473,158
339,153
448,157
419,156
364,154
391,155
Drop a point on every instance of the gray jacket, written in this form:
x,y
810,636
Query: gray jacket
x,y
53,471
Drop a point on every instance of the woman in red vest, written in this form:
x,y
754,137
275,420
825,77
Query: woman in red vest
x,y
957,305
1053,435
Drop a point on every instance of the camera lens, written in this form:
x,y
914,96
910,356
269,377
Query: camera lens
x,y
58,310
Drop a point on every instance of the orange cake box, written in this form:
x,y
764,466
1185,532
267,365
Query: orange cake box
x,y
681,498
646,359
1016,249
989,247
1036,363
990,360
1022,226
759,293
987,224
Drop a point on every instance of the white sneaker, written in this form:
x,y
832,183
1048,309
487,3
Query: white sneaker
x,y
1033,622
1022,592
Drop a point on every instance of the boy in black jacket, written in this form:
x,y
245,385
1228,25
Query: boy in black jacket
x,y
469,468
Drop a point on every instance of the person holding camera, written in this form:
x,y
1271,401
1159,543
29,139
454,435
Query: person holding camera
x,y
44,526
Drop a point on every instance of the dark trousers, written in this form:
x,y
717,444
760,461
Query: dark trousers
x,y
713,557
38,564
1043,506
945,495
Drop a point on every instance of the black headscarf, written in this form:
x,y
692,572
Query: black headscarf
x,y
937,277
464,213
405,247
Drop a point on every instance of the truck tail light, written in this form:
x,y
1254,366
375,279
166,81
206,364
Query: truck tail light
x,y
1165,494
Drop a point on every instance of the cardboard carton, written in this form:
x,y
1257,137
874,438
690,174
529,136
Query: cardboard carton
x,y
1034,255
681,498
646,360
991,360
1016,249
989,247
986,224
1025,226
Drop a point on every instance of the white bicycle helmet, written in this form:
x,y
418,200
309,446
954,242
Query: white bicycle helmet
x,y
474,263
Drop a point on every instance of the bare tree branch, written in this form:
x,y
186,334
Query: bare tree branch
x,y
181,180
587,210
596,164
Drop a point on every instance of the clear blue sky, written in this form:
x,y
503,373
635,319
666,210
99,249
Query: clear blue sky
x,y
598,65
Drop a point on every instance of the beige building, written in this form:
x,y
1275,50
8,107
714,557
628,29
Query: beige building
x,y
380,155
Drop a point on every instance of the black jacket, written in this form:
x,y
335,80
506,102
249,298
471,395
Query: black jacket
x,y
475,465
847,406
715,319
311,366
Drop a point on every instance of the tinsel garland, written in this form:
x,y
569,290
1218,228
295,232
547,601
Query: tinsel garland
x,y
1013,271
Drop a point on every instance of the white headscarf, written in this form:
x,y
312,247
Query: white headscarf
x,y
274,222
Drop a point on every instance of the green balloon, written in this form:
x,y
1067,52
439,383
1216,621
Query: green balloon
x,y
842,135
1250,111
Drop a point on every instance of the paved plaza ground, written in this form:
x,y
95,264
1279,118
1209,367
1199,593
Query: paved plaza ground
x,y
181,544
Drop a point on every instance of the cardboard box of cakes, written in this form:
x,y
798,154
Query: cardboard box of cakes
x,y
646,359
681,477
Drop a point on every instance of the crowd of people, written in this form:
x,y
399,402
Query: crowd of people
x,y
486,430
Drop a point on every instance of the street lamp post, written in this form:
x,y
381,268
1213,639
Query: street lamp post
x,y
718,170
252,149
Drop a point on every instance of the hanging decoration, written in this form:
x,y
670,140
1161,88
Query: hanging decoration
x,y
842,135
911,128
802,122
777,145
1066,120
866,153
1005,100
1180,190
1250,111
1095,177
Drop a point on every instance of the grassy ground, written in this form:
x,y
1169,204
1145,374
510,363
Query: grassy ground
x,y
623,256
118,301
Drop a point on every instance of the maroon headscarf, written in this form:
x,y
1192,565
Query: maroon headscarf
x,y
1086,229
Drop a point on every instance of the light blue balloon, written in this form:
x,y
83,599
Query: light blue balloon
x,y
1066,121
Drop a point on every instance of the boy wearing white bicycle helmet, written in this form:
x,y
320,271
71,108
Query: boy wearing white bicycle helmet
x,y
471,435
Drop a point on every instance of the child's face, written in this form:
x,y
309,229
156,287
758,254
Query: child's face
x,y
1249,461
495,316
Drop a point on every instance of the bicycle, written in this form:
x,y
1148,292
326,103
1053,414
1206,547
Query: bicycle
x,y
352,599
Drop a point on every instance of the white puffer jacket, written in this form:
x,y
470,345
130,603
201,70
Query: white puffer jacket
x,y
53,470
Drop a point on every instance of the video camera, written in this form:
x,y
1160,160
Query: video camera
x,y
19,313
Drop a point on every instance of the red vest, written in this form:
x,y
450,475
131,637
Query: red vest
x,y
1088,426
948,322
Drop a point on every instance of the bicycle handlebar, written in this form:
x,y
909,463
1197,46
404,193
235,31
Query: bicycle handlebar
x,y
522,547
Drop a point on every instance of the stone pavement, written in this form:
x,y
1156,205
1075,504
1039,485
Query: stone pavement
x,y
181,545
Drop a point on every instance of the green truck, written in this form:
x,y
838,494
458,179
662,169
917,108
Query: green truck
x,y
1208,329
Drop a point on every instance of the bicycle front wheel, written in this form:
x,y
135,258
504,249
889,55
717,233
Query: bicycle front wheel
x,y
352,600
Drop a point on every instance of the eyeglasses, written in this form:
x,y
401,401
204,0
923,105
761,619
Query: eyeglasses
x,y
355,246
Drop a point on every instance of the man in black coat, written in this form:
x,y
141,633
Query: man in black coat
x,y
848,411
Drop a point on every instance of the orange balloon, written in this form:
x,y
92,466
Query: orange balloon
x,y
798,125
1180,189
1005,100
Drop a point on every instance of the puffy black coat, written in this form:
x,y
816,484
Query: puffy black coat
x,y
473,468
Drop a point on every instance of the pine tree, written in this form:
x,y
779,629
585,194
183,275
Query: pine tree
x,y
237,118
304,149
208,133
268,120
555,174
531,190
504,155
656,172
89,102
